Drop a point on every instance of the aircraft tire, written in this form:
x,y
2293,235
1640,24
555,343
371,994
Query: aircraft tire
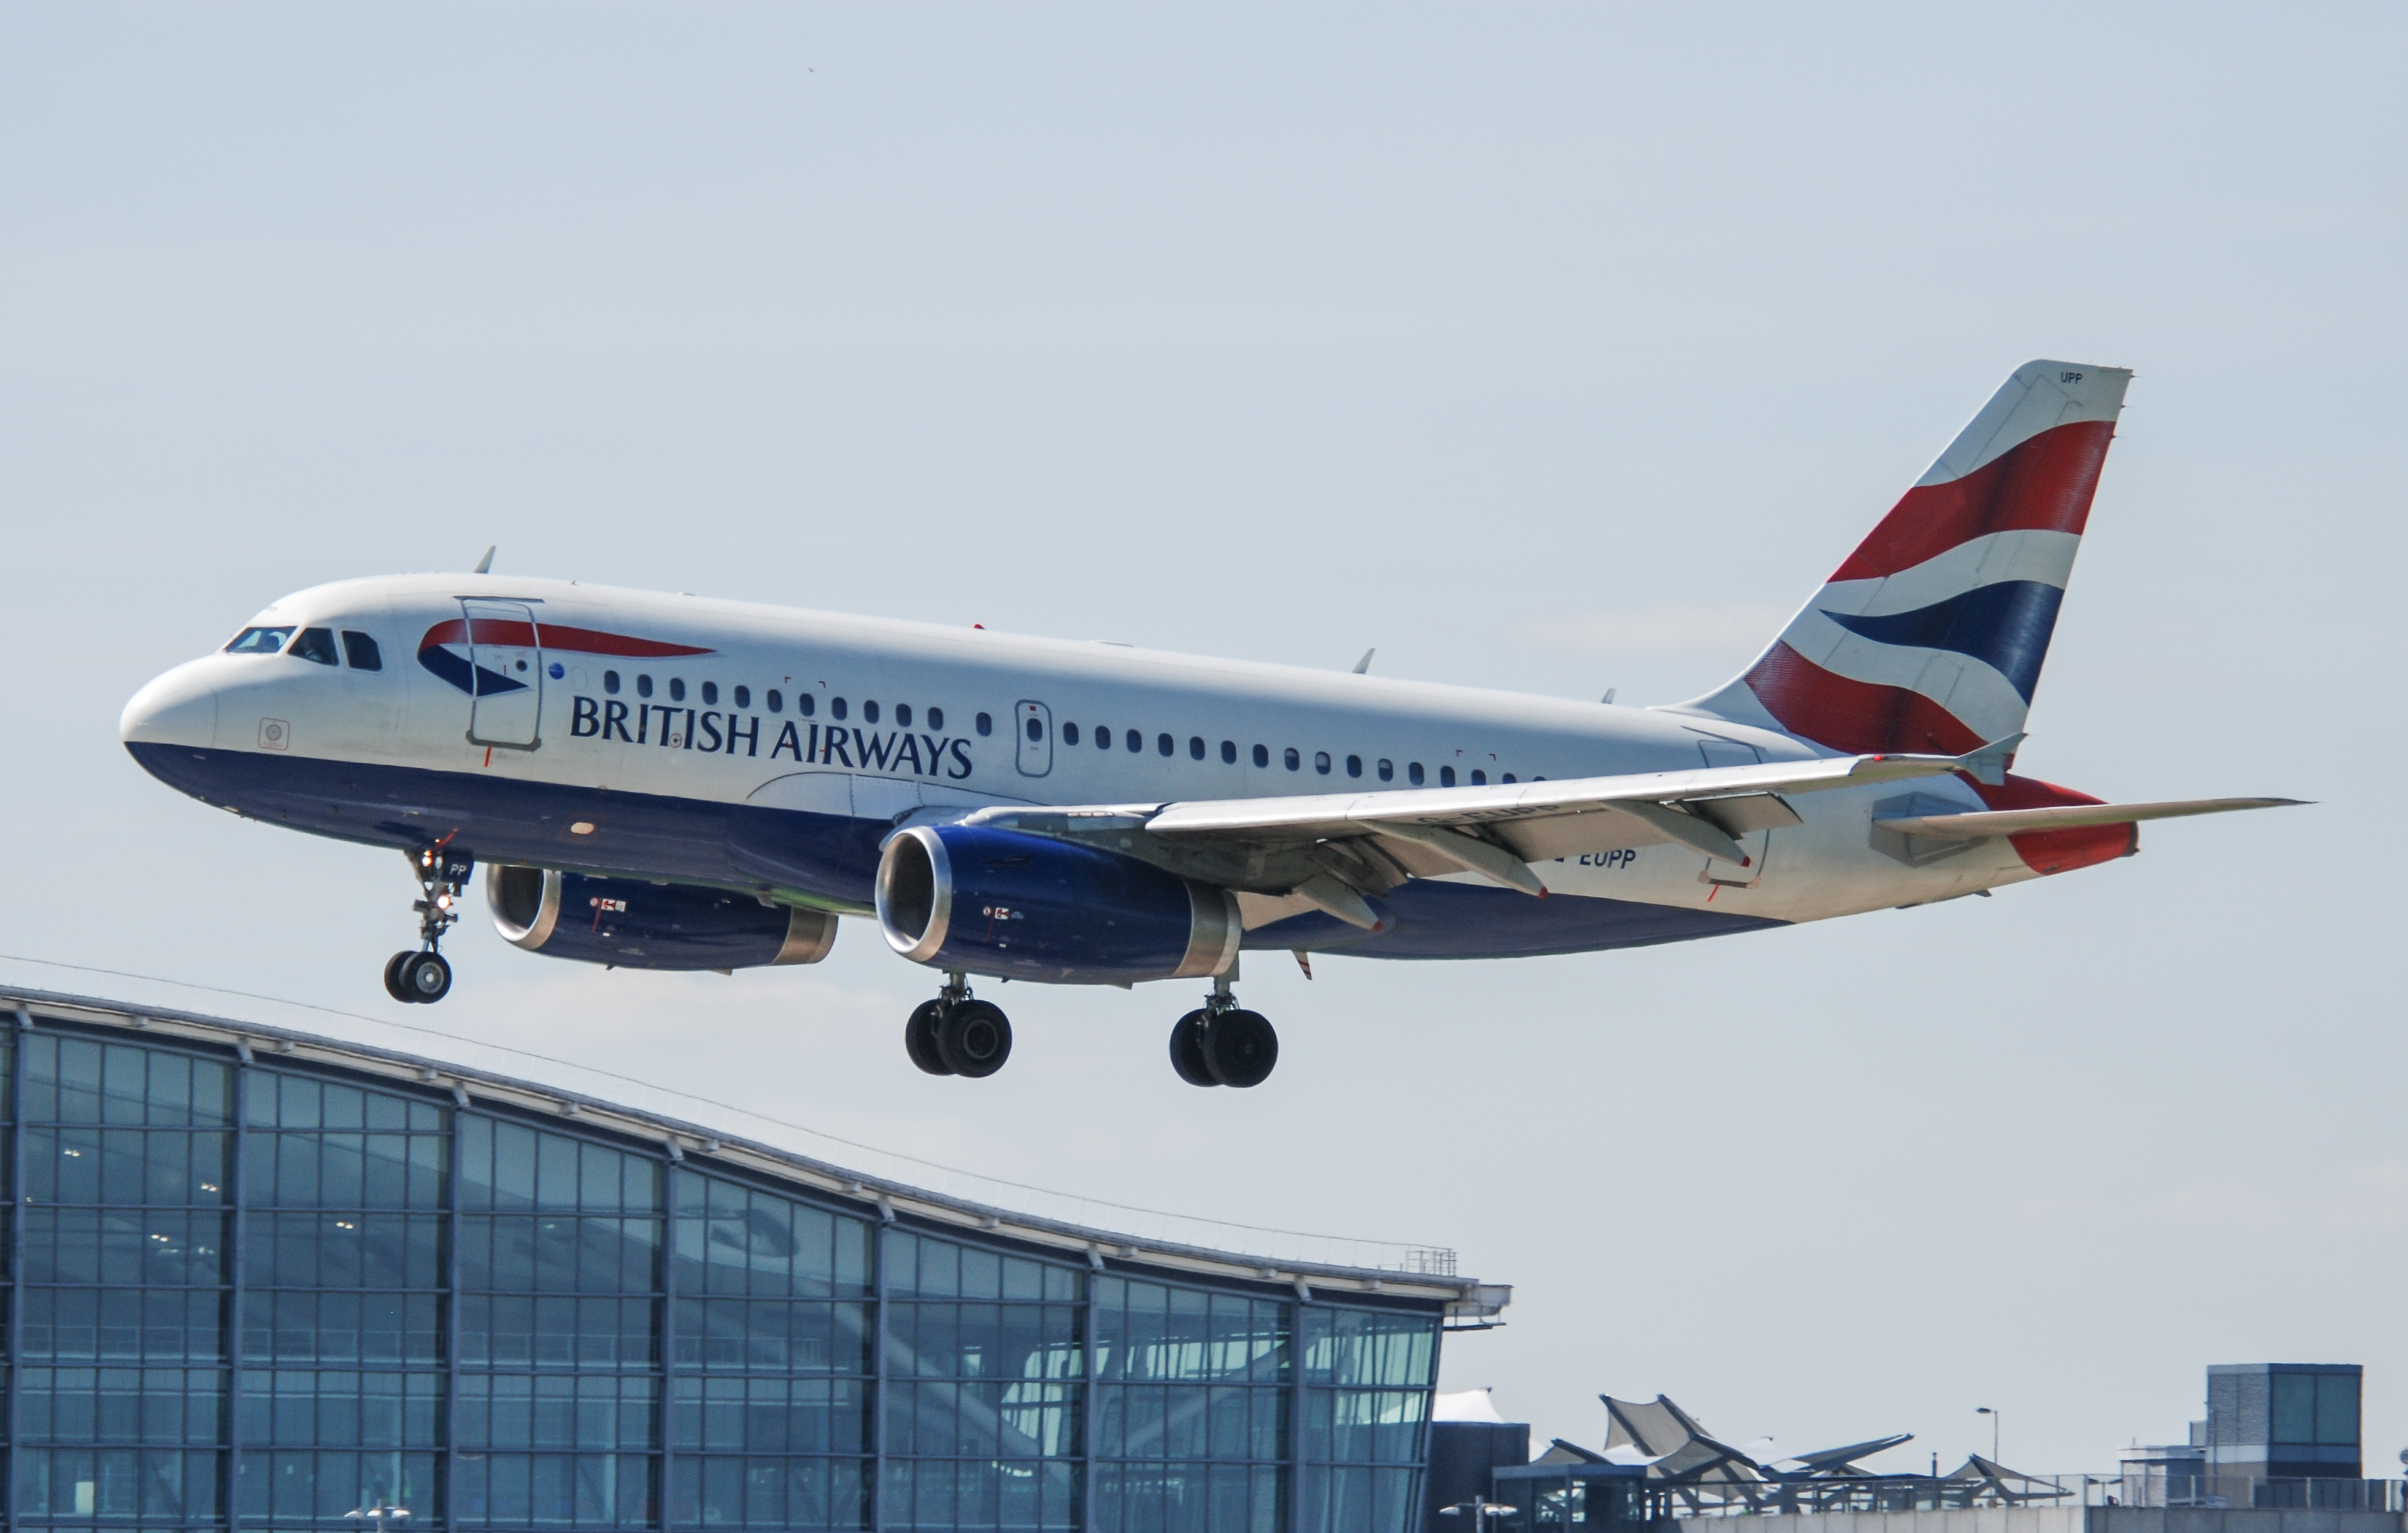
x,y
919,1037
975,1038
1188,1049
427,977
1240,1047
392,977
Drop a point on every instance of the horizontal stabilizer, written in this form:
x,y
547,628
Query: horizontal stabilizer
x,y
1973,827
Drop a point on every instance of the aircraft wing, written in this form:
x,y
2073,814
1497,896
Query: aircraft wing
x,y
1972,827
1332,849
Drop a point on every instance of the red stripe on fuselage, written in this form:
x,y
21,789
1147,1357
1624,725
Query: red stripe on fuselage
x,y
553,636
2043,485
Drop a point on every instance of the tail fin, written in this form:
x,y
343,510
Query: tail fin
x,y
1930,637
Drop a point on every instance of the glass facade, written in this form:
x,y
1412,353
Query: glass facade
x,y
279,1294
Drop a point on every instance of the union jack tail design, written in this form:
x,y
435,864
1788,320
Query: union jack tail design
x,y
1930,637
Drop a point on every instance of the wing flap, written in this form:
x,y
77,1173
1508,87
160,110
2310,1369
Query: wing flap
x,y
1986,823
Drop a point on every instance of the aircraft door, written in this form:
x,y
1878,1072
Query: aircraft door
x,y
506,658
1033,726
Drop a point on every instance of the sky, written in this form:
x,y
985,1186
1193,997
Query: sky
x,y
1549,347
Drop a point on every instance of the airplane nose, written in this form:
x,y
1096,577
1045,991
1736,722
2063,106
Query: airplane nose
x,y
177,708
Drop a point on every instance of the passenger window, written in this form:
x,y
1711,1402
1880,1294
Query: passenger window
x,y
835,707
1262,755
259,642
1354,766
1195,746
1163,745
937,719
1036,730
775,699
1292,760
1446,777
643,686
1136,742
1103,737
1229,752
1413,773
361,650
677,689
1478,778
903,715
710,692
868,713
985,724
1387,770
1509,777
1321,762
806,704
1069,732
744,696
317,644
610,681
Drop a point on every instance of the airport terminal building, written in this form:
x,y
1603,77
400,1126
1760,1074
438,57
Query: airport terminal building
x,y
263,1279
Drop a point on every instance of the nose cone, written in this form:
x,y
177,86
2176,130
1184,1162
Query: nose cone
x,y
177,708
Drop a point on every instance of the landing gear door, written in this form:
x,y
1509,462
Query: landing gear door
x,y
506,660
1033,727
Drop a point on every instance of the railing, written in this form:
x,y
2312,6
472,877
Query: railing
x,y
1924,1493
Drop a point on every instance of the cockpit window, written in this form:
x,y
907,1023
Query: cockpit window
x,y
259,642
316,644
361,650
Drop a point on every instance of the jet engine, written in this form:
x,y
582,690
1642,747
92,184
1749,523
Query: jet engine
x,y
635,924
1022,906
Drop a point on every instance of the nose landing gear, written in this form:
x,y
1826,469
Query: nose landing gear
x,y
425,976
955,1035
1222,1044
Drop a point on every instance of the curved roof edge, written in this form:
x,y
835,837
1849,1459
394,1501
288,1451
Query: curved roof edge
x,y
1466,1299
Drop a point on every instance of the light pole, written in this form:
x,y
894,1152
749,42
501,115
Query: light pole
x,y
1481,1509
1986,1411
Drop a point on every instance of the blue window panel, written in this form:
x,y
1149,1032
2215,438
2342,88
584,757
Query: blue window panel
x,y
506,1167
278,1101
122,1324
1373,1348
734,1335
345,1249
1020,1420
1346,1500
1365,1426
157,1248
715,1491
159,1168
558,1412
116,1484
933,1494
1152,1331
152,1406
340,1327
344,1170
83,1080
560,1253
734,1240
546,1331
754,1416
1190,1499
289,1486
984,1340
339,1408
554,1490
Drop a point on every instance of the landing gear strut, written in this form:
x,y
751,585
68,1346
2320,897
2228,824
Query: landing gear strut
x,y
1222,1044
955,1035
425,976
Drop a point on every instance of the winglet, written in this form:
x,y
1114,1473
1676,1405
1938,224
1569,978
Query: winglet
x,y
1363,666
485,565
1989,764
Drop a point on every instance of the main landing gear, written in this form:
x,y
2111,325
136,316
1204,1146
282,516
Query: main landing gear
x,y
955,1035
1221,1044
425,976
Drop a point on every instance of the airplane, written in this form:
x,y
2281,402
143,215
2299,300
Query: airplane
x,y
679,783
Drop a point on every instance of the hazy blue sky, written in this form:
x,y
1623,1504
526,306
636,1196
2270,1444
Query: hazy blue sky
x,y
1544,347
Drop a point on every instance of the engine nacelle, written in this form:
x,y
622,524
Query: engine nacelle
x,y
1023,906
634,923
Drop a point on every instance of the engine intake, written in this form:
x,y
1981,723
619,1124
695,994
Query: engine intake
x,y
634,923
1022,906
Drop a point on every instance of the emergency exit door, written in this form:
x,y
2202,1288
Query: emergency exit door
x,y
1032,725
506,662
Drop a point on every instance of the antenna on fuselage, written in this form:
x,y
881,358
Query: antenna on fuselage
x,y
485,565
1363,666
